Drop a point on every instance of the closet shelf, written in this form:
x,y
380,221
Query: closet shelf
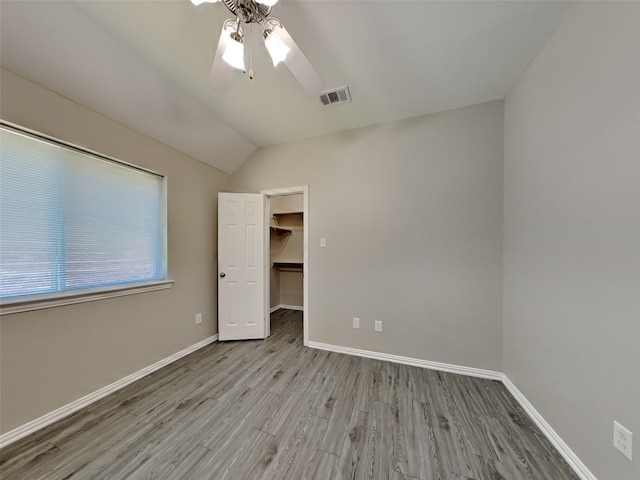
x,y
288,266
280,230
280,214
288,218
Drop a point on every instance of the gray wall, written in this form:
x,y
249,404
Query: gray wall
x,y
54,356
572,233
412,214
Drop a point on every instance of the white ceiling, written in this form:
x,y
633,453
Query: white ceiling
x,y
146,64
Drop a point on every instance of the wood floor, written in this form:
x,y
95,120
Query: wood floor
x,y
274,409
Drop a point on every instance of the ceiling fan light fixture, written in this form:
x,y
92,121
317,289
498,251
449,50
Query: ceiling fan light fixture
x,y
277,41
234,51
276,47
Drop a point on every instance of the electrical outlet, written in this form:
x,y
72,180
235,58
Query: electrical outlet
x,y
378,326
198,318
622,440
356,322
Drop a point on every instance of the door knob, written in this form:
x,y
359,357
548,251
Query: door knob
x,y
222,274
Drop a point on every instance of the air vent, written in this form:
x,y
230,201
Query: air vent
x,y
335,96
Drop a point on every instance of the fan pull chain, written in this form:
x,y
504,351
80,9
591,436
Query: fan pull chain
x,y
250,51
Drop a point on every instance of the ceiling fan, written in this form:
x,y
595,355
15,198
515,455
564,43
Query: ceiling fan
x,y
278,42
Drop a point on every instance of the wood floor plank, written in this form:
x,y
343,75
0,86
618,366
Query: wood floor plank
x,y
547,459
452,448
119,461
315,362
254,459
386,381
297,447
493,469
415,451
367,388
423,382
510,454
353,461
86,458
235,423
251,459
339,394
532,459
453,451
31,460
467,418
180,464
382,420
321,466
284,416
395,475
273,410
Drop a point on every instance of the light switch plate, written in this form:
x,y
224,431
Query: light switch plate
x,y
323,243
356,322
623,440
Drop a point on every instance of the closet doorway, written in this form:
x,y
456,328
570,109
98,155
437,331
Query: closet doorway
x,y
287,278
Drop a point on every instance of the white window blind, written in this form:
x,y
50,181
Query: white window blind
x,y
74,220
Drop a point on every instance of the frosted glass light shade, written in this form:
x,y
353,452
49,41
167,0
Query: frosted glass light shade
x,y
268,3
276,48
234,54
200,2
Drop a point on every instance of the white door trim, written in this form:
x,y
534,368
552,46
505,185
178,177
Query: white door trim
x,y
275,192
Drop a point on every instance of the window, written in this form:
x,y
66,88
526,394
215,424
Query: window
x,y
72,220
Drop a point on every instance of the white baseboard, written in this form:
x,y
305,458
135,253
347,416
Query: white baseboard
x,y
66,410
286,307
443,367
571,458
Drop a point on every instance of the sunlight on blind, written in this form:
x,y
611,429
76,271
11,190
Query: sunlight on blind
x,y
70,220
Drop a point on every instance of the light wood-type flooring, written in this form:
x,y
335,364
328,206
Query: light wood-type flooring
x,y
273,409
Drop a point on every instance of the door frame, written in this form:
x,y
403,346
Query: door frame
x,y
278,192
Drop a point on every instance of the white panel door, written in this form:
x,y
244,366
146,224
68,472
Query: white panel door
x,y
241,266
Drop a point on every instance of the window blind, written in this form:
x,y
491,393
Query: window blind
x,y
73,220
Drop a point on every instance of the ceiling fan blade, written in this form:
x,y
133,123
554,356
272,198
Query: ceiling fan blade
x,y
221,72
299,65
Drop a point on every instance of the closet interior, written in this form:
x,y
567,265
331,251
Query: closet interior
x,y
286,251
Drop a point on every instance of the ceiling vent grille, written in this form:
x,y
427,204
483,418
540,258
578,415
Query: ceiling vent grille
x,y
335,96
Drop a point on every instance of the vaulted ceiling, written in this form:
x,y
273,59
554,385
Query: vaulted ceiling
x,y
146,64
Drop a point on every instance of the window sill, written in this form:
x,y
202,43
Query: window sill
x,y
39,302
